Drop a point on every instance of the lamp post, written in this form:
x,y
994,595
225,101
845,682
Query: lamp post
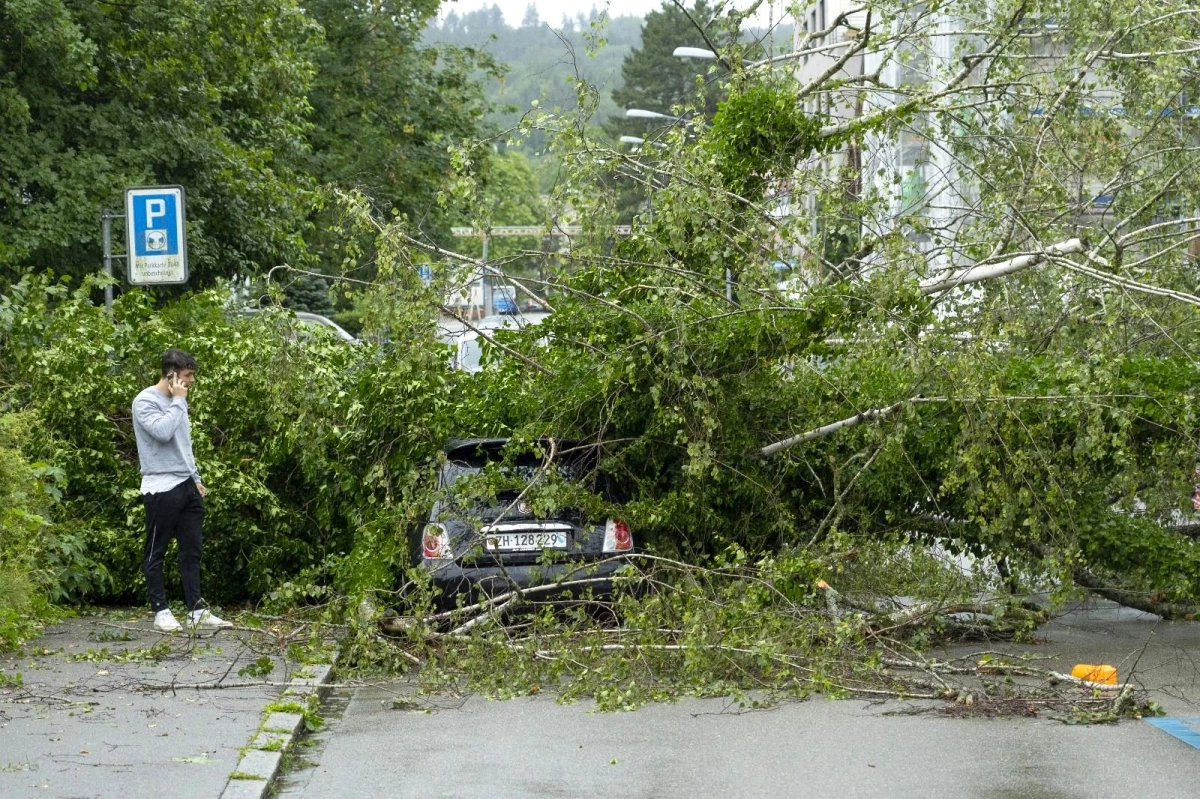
x,y
638,143
642,113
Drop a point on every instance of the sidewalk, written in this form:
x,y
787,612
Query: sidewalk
x,y
94,714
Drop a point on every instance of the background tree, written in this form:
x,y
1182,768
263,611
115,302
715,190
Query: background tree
x,y
310,293
249,107
531,18
654,79
98,97
507,194
386,110
538,64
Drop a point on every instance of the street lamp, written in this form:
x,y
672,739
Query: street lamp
x,y
640,142
641,113
694,52
709,55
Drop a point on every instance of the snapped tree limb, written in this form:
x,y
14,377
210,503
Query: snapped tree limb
x,y
1129,283
1146,604
982,272
831,428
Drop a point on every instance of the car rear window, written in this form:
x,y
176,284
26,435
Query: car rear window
x,y
525,466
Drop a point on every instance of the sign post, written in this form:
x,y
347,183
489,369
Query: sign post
x,y
106,230
155,236
485,284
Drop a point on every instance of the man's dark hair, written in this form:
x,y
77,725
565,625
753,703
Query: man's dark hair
x,y
177,361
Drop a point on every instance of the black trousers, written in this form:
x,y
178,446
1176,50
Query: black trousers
x,y
177,514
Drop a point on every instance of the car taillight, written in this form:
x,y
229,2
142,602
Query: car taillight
x,y
617,537
435,542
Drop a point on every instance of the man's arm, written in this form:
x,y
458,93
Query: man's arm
x,y
161,426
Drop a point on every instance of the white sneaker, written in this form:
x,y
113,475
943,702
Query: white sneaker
x,y
202,618
165,622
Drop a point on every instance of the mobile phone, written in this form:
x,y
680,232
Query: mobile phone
x,y
172,378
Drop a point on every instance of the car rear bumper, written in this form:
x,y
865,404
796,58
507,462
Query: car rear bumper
x,y
576,578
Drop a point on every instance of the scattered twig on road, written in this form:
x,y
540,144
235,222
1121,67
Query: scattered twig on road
x,y
217,685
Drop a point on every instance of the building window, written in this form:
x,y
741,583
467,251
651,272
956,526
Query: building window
x,y
913,152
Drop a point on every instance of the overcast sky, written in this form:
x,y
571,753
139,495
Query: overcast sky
x,y
552,10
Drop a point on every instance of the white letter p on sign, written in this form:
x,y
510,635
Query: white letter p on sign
x,y
155,209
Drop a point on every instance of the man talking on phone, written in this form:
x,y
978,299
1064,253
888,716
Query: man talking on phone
x,y
171,490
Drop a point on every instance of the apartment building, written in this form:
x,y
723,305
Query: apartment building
x,y
821,47
911,171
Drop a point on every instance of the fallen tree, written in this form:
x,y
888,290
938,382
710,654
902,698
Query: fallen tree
x,y
1004,351
741,629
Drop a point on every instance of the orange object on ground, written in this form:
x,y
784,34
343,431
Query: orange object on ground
x,y
1106,675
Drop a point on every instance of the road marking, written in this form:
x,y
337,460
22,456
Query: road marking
x,y
1186,730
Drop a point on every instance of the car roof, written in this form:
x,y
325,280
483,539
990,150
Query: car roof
x,y
312,318
337,329
468,446
461,446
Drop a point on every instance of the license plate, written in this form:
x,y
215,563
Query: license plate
x,y
525,542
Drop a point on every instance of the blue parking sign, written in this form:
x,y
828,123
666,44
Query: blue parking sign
x,y
156,240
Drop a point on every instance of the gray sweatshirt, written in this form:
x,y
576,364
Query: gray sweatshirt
x,y
164,439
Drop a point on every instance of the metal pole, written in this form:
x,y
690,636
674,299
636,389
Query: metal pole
x,y
106,228
487,285
770,28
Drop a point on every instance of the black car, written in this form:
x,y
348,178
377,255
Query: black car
x,y
495,545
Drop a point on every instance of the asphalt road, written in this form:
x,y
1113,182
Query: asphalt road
x,y
536,748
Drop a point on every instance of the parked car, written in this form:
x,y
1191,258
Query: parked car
x,y
494,547
312,320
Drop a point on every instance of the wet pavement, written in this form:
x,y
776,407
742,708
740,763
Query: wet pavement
x,y
534,747
1161,657
87,722
473,747
94,714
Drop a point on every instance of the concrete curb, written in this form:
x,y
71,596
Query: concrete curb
x,y
277,734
